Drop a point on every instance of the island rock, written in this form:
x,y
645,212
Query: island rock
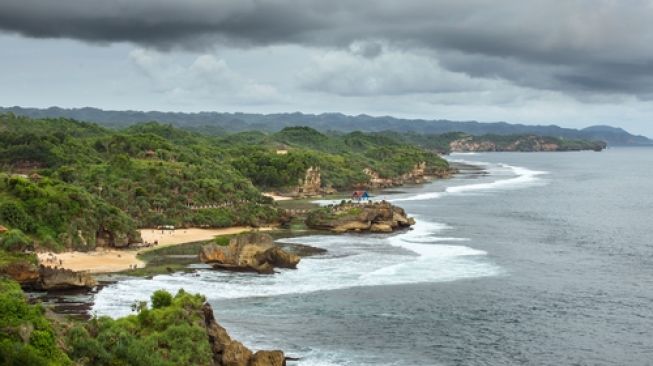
x,y
249,252
380,217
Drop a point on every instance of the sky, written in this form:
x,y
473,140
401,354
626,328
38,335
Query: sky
x,y
573,63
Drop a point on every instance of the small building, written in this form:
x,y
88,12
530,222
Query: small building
x,y
360,196
3,229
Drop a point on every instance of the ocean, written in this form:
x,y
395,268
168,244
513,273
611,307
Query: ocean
x,y
542,259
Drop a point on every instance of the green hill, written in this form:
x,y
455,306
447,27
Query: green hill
x,y
70,184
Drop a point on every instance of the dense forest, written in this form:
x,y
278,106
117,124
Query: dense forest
x,y
170,331
71,184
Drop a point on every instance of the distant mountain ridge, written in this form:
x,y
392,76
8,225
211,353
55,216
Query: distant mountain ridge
x,y
217,122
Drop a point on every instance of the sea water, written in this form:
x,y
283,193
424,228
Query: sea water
x,y
547,259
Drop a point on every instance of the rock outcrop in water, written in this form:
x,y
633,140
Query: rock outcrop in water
x,y
254,252
378,217
229,352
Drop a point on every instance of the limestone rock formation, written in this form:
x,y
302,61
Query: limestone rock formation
x,y
229,352
420,173
311,185
25,273
381,217
249,252
41,277
60,279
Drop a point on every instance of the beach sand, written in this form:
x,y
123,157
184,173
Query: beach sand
x,y
276,197
112,260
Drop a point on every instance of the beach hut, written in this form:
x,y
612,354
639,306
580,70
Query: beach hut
x,y
3,229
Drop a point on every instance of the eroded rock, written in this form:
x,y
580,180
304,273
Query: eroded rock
x,y
379,217
249,252
60,279
229,352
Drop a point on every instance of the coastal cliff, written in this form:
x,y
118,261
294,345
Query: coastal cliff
x,y
229,352
529,143
377,217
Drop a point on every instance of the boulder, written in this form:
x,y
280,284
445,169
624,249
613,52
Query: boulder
x,y
249,252
236,354
278,257
377,217
268,358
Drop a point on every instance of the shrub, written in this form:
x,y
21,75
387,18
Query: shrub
x,y
161,299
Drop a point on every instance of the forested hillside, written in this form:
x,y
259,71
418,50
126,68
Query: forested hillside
x,y
220,123
71,184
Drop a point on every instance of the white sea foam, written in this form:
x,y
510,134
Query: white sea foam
x,y
517,177
419,255
353,260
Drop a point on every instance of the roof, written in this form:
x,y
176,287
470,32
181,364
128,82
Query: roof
x,y
3,229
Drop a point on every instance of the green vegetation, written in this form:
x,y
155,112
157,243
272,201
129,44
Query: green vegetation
x,y
26,336
523,143
66,184
322,214
171,332
342,158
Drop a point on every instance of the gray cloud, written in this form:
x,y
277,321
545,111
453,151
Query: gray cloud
x,y
575,46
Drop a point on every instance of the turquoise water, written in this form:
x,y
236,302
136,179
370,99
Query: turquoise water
x,y
545,260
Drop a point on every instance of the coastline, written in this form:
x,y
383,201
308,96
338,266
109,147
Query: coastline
x,y
115,260
106,261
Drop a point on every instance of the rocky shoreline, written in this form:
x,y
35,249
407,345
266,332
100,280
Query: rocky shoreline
x,y
375,217
46,278
252,252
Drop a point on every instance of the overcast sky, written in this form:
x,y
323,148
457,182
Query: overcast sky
x,y
571,63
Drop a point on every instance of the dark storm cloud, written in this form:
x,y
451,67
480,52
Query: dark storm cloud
x,y
574,46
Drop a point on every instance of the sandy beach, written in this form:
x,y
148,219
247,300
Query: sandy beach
x,y
112,260
276,197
